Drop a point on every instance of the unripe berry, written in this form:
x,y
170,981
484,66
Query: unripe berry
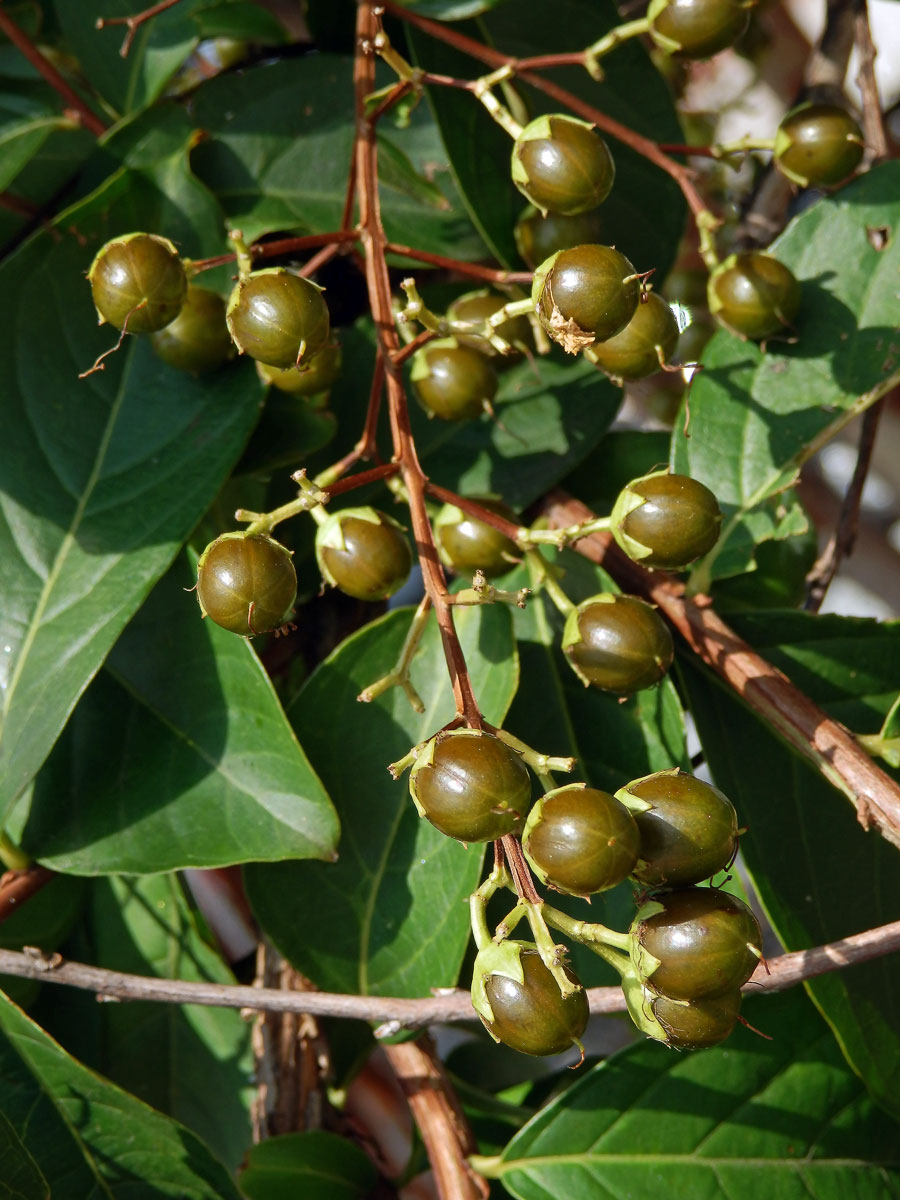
x,y
665,521
818,145
453,382
364,553
580,840
246,583
697,28
562,165
619,644
278,318
635,352
198,339
585,295
138,282
754,295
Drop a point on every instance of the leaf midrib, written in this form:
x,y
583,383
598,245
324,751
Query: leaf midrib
x,y
715,1162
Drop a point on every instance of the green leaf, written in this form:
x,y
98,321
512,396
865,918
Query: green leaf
x,y
241,20
315,1165
102,478
26,122
747,1119
191,1062
178,755
280,138
756,417
20,1176
389,917
451,10
44,921
90,1139
819,875
645,211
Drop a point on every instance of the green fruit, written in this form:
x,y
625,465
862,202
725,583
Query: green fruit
x,y
562,165
666,521
754,295
278,318
585,295
246,583
138,282
580,840
364,553
634,353
540,237
818,145
684,1024
453,382
619,644
695,943
474,308
466,544
471,786
688,828
697,28
198,339
315,376
520,1003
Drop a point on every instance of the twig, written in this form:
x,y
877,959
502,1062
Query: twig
x,y
17,886
476,270
401,1012
135,22
44,67
802,724
842,540
873,122
291,245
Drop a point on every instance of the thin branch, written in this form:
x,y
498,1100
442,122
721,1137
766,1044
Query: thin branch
x,y
373,475
841,543
135,22
476,270
401,1012
809,730
44,67
17,886
292,245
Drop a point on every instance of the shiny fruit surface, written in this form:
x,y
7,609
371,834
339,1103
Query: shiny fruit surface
x,y
635,352
466,544
451,381
666,521
619,644
754,295
278,318
198,339
364,553
138,282
580,840
562,165
585,295
246,583
818,145
532,1016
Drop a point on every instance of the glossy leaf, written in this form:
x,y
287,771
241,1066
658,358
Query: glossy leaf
x,y
315,1165
101,478
89,1138
20,1176
279,142
644,212
819,875
755,417
178,755
746,1119
389,917
26,121
191,1062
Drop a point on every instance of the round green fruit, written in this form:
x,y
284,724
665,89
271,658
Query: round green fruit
x,y
697,28
619,644
475,308
138,282
466,544
453,382
562,165
580,840
754,295
315,376
364,553
585,295
471,786
198,339
665,521
278,318
818,145
688,828
524,1006
540,237
684,1024
650,336
246,583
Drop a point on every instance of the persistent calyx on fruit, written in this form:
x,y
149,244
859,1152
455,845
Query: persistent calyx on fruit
x,y
470,785
198,339
688,828
585,295
562,165
138,282
647,341
682,1024
520,1003
452,381
697,28
818,145
619,644
246,583
754,295
364,553
277,317
580,840
665,521
466,544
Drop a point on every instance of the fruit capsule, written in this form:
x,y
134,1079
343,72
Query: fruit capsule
x,y
364,553
635,352
198,339
138,282
754,295
314,377
278,318
665,521
562,165
818,145
619,644
471,786
453,382
246,583
580,840
466,544
540,237
585,295
697,28
684,1024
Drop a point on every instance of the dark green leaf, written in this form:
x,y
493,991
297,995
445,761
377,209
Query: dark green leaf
x,y
450,10
315,1165
644,211
819,875
747,1119
240,19
755,417
20,1176
191,1062
279,147
25,124
101,478
389,917
178,755
44,921
91,1140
